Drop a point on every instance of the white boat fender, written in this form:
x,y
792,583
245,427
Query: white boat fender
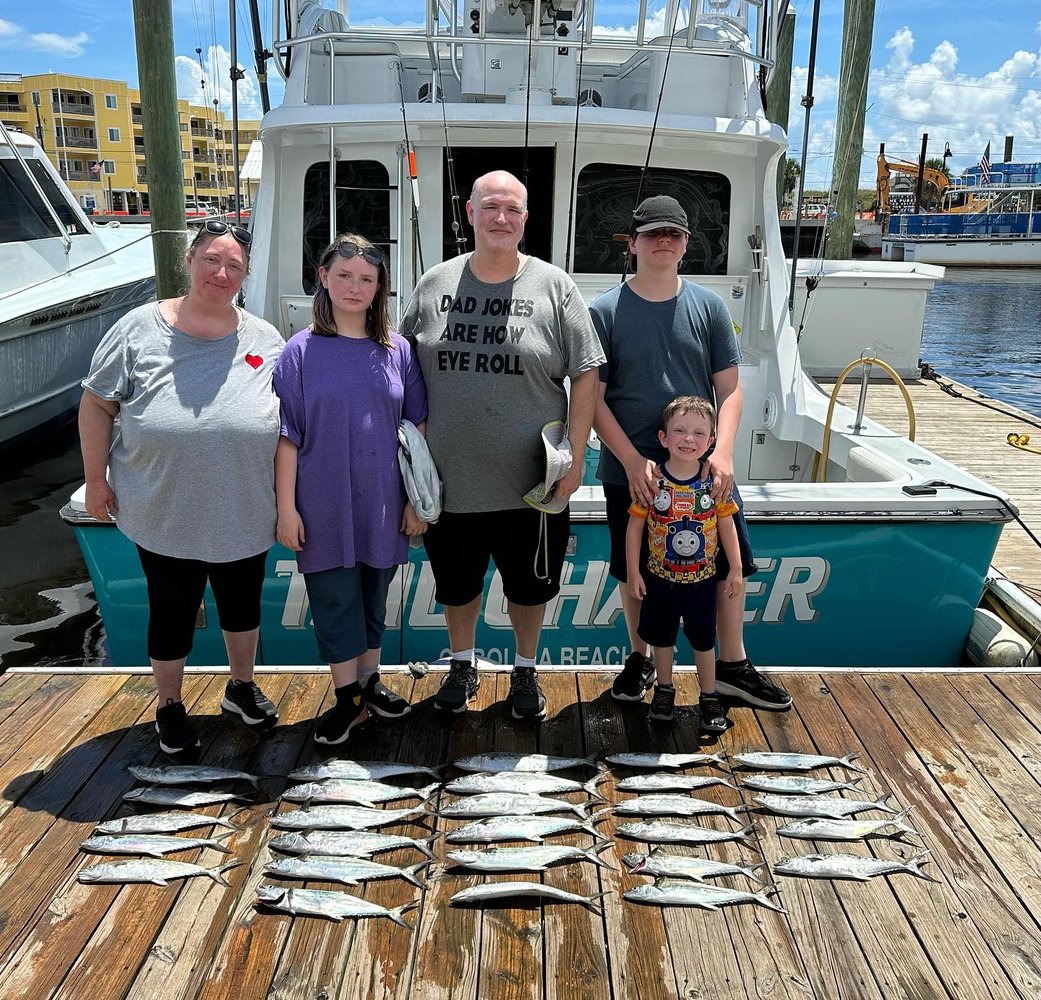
x,y
993,643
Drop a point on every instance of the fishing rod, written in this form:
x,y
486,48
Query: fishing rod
x,y
807,103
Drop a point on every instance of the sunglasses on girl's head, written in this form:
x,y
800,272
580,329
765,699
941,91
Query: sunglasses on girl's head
x,y
218,228
349,249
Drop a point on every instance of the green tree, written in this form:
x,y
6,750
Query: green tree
x,y
791,178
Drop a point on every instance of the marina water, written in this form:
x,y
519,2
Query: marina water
x,y
981,328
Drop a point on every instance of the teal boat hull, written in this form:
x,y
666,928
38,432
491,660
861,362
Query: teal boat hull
x,y
838,593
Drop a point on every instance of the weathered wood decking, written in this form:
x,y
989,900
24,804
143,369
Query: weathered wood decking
x,y
958,428
962,748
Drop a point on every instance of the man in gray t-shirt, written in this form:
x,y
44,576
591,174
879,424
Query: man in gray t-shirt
x,y
496,333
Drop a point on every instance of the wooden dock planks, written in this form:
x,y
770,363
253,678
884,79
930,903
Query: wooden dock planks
x,y
961,747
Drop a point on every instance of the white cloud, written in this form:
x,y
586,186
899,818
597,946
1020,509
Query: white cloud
x,y
8,29
908,97
69,46
201,84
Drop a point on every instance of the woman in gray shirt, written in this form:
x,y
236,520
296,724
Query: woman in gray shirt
x,y
186,385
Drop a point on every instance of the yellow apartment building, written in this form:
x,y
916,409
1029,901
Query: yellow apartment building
x,y
91,130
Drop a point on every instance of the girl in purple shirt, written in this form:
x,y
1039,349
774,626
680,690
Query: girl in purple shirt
x,y
345,384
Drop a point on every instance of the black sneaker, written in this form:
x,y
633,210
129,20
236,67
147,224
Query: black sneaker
x,y
176,733
458,688
245,699
740,681
335,725
713,718
663,705
526,698
383,701
635,679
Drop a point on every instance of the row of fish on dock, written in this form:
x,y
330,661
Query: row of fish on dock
x,y
333,836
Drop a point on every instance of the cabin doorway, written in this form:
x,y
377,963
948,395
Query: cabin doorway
x,y
471,163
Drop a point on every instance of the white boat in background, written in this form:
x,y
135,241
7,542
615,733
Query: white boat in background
x,y
63,282
992,221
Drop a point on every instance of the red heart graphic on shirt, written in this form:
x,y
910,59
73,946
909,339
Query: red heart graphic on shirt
x,y
254,360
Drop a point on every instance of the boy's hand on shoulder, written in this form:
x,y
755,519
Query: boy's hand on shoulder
x,y
636,587
290,530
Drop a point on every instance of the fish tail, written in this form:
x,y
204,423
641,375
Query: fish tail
x,y
848,762
913,866
766,901
424,845
217,846
411,874
427,790
600,814
590,788
217,874
579,809
590,903
596,850
396,914
600,766
882,803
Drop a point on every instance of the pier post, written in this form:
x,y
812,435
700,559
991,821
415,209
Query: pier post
x,y
849,124
153,28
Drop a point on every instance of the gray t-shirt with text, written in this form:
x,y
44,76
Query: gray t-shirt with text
x,y
494,357
193,449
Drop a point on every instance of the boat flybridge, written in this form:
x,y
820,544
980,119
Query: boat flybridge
x,y
873,551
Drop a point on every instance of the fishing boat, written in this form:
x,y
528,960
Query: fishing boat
x,y
986,219
64,282
873,551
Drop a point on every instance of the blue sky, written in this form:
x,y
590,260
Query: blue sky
x,y
968,72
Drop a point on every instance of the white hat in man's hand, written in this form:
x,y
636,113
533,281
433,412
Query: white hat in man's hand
x,y
558,462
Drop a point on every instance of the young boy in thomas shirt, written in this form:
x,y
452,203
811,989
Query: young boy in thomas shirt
x,y
670,550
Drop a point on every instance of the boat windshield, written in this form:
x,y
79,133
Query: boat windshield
x,y
23,216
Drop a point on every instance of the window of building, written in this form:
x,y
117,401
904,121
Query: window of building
x,y
605,204
77,165
110,102
113,135
362,206
110,166
36,98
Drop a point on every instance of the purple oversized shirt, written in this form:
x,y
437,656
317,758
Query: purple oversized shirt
x,y
342,400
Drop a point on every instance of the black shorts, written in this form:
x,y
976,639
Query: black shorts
x,y
175,590
618,501
665,604
459,547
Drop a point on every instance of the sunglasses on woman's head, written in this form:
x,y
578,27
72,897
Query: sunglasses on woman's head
x,y
349,249
218,228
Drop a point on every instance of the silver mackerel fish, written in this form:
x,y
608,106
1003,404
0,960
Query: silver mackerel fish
x,y
494,892
850,866
162,822
663,760
353,843
527,859
708,897
343,817
360,770
670,782
524,782
178,798
349,871
530,828
819,805
360,793
766,761
153,844
152,870
661,865
816,828
537,762
190,774
676,805
508,804
664,832
329,904
796,784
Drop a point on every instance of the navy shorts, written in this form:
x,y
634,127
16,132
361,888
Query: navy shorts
x,y
460,546
348,609
665,604
618,501
175,591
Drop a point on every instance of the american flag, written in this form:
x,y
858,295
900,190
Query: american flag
x,y
985,166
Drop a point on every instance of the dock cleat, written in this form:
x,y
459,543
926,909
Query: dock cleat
x,y
740,681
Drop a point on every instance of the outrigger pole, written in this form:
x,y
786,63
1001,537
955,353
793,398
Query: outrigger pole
x,y
807,103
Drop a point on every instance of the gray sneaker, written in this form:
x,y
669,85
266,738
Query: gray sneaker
x,y
458,688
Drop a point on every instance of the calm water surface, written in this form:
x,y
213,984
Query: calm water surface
x,y
982,328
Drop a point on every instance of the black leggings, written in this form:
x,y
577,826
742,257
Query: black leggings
x,y
175,590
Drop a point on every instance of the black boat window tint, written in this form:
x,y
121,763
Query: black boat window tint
x,y
22,215
604,210
362,206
